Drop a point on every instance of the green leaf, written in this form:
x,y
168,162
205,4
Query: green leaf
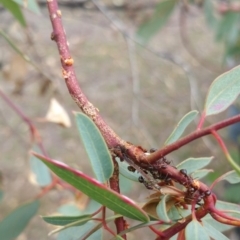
x,y
193,164
232,177
223,92
162,211
162,12
12,225
15,10
96,147
213,232
96,190
226,206
31,5
125,184
209,14
196,231
201,173
41,172
123,169
76,233
181,126
227,28
64,220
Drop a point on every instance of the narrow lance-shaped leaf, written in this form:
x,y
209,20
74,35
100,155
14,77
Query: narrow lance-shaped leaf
x,y
181,126
31,5
12,225
96,148
64,220
156,22
196,231
96,190
15,10
223,92
193,164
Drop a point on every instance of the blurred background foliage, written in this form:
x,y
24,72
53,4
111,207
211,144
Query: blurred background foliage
x,y
144,64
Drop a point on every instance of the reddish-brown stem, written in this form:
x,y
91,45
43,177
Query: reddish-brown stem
x,y
34,133
225,219
179,226
220,142
70,78
202,119
104,222
114,185
189,138
159,233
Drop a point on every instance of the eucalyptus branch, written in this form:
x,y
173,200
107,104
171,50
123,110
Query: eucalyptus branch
x,y
189,138
155,163
69,75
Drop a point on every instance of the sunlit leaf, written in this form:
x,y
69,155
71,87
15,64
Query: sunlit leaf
x,y
96,190
12,225
181,126
213,232
223,92
196,231
162,210
123,169
193,164
64,220
96,147
16,11
40,173
31,5
162,12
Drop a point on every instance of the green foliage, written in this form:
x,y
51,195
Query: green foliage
x,y
123,170
16,11
194,164
195,230
181,126
213,232
12,225
223,92
162,12
31,5
162,210
40,170
96,190
65,220
96,147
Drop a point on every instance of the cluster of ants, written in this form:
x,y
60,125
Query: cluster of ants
x,y
154,176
